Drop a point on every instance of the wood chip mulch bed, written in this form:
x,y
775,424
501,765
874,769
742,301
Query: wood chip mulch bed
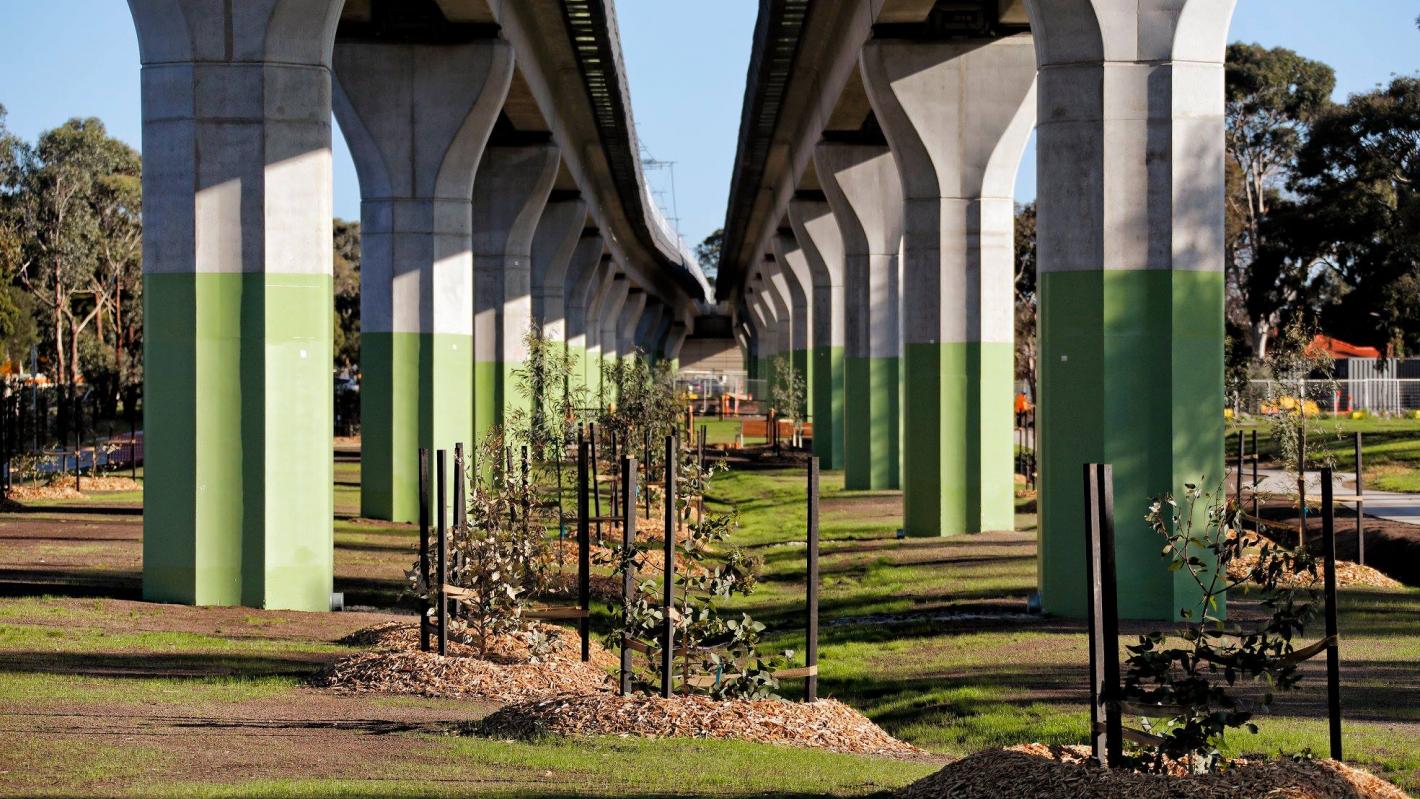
x,y
1348,574
396,666
63,487
1052,772
826,724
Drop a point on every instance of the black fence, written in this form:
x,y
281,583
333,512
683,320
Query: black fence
x,y
67,429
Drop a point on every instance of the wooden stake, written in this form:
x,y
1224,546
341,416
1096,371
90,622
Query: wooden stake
x,y
811,591
1333,655
442,547
1107,734
668,594
584,549
628,580
424,458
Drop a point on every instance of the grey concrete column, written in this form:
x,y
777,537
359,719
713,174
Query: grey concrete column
x,y
417,118
596,349
958,163
861,184
630,319
554,243
662,331
794,269
509,193
237,291
675,339
609,319
581,285
647,325
816,232
1130,237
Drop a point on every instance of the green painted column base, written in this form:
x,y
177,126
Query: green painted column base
x,y
826,387
1132,375
414,393
238,419
956,457
871,432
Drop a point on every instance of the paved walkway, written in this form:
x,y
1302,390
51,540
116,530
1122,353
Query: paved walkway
x,y
1389,505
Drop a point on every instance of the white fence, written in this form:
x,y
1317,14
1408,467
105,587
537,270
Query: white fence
x,y
1378,395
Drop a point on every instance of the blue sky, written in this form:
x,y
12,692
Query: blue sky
x,y
67,58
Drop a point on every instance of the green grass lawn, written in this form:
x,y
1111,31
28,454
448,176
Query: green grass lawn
x,y
1390,448
928,637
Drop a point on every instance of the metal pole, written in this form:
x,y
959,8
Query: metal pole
x,y
1106,738
596,482
700,459
1302,474
424,546
78,408
1255,480
628,579
1242,458
1360,506
460,513
668,591
811,591
1333,655
442,550
584,555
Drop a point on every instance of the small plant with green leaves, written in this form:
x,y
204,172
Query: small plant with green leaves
x,y
500,554
1193,676
789,396
1300,376
724,650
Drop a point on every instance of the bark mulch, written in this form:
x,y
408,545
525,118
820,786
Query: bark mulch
x,y
396,666
1048,772
826,724
1348,574
63,488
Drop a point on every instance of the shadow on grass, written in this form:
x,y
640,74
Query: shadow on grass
x,y
84,510
96,584
157,665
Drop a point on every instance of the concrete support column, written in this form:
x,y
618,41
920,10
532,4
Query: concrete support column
x,y
777,289
863,189
646,327
609,318
596,360
765,332
794,270
660,336
816,232
509,193
630,319
417,118
1131,277
957,161
237,301
554,243
675,339
583,281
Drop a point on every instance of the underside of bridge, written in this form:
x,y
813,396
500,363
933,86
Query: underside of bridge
x,y
870,226
501,189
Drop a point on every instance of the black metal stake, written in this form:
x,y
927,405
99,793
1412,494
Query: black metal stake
x,y
811,591
596,480
668,590
628,579
460,513
1242,458
442,607
1255,479
1333,655
424,547
1302,475
1360,507
1107,734
132,435
584,552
